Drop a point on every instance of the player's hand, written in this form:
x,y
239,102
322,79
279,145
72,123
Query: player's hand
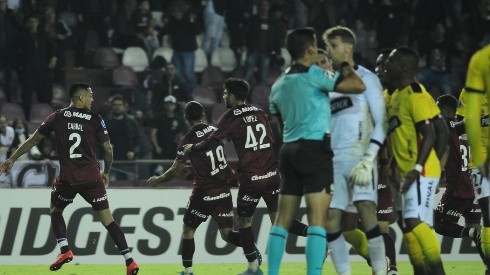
x,y
362,173
6,166
153,180
409,179
105,176
187,149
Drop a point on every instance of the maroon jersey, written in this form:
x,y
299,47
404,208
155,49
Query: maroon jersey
x,y
211,171
248,127
77,131
458,175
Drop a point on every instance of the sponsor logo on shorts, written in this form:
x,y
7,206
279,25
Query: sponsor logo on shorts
x,y
382,186
199,214
104,198
218,197
429,194
64,199
226,215
453,213
266,176
275,191
389,210
247,198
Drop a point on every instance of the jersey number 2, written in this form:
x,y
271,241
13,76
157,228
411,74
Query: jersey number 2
x,y
78,139
251,141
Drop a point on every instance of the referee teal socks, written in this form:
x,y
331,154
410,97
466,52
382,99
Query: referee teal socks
x,y
276,246
316,243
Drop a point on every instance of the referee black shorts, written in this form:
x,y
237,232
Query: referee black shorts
x,y
306,166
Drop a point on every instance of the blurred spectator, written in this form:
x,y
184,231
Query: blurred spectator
x,y
125,34
124,136
183,29
143,94
437,72
151,39
214,23
321,16
37,59
21,134
167,129
7,136
142,18
263,38
170,85
235,14
8,32
389,18
59,32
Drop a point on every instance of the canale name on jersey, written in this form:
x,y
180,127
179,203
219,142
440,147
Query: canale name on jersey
x,y
244,109
77,114
205,131
75,126
248,119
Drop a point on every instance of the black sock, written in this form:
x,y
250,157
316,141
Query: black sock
x,y
248,244
59,228
118,237
188,248
234,238
298,228
390,248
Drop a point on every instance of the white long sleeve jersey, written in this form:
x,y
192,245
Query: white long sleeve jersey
x,y
358,119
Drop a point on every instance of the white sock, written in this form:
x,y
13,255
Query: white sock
x,y
62,242
253,266
377,255
340,255
471,232
188,270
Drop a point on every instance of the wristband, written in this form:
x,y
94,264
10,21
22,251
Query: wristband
x,y
418,168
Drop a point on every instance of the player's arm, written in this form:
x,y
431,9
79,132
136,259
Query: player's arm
x,y
32,141
441,145
169,175
350,82
473,127
107,155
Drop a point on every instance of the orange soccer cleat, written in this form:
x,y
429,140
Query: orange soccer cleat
x,y
133,268
62,259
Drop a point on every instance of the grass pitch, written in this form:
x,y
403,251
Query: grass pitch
x,y
358,268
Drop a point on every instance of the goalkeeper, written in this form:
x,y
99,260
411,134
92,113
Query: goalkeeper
x,y
358,132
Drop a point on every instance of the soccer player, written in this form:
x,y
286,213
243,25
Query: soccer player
x,y
248,128
211,194
78,130
458,198
300,101
412,140
477,95
358,132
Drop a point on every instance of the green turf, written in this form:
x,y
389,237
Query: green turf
x,y
456,268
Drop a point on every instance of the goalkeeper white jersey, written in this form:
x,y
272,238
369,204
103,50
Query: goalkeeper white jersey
x,y
358,119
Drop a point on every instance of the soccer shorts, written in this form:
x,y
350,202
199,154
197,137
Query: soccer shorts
x,y
481,185
418,201
306,166
451,209
217,203
345,193
255,186
385,204
94,193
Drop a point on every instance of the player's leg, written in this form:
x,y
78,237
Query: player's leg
x,y
61,196
354,235
96,195
386,215
188,249
481,187
418,217
222,214
472,216
447,214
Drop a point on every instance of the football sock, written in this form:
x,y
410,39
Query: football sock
x,y
377,253
234,238
340,254
117,236
127,256
359,241
316,243
485,243
431,248
390,248
188,248
59,228
248,245
276,246
298,228
415,253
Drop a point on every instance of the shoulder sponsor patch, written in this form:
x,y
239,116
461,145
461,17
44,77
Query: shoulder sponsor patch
x,y
340,104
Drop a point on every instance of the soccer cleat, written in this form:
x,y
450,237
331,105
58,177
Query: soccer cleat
x,y
248,272
61,259
392,271
259,256
183,273
132,269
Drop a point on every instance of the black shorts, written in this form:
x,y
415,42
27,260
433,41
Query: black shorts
x,y
385,204
306,166
94,193
451,209
252,189
216,203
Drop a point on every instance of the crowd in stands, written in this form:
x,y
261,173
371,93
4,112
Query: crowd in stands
x,y
161,54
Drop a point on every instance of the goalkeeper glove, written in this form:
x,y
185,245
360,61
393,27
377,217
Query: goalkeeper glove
x,y
362,173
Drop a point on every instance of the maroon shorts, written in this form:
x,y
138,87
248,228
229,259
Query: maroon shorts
x,y
385,204
253,187
216,203
451,209
94,193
